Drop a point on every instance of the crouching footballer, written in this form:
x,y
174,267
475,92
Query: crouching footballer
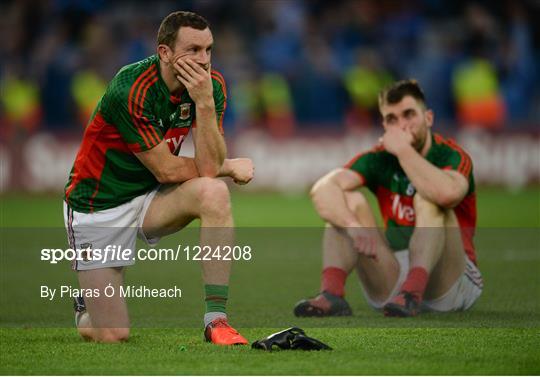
x,y
425,258
128,179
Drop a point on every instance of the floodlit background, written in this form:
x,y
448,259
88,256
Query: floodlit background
x,y
302,77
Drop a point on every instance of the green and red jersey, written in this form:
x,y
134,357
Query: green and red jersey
x,y
381,172
135,114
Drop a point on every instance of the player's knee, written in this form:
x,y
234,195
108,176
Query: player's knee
x,y
86,333
422,206
428,214
213,194
112,335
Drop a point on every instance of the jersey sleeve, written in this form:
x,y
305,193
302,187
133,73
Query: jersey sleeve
x,y
131,112
457,159
220,99
363,164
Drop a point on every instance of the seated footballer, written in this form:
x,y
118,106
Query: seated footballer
x,y
425,258
128,177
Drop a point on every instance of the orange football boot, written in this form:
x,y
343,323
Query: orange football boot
x,y
220,332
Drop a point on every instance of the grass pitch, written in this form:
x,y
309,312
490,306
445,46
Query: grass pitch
x,y
500,335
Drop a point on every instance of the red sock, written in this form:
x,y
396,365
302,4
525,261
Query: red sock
x,y
333,281
416,282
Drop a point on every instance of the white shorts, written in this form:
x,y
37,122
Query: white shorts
x,y
110,234
461,296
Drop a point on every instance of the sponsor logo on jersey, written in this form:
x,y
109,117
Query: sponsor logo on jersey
x,y
185,111
182,124
175,143
403,212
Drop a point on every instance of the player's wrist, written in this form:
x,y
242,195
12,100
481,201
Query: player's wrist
x,y
205,104
226,169
405,151
352,224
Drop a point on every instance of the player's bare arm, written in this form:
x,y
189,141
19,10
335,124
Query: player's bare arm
x,y
328,195
210,149
166,167
443,187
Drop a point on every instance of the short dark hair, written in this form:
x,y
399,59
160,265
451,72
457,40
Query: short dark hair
x,y
168,30
395,92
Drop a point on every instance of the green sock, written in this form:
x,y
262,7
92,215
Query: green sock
x,y
216,297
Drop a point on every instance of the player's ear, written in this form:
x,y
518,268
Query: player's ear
x,y
165,53
384,122
430,117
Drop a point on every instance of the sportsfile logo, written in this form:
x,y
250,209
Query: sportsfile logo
x,y
87,254
117,253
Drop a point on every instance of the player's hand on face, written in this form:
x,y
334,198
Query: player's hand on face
x,y
364,240
242,170
395,140
196,79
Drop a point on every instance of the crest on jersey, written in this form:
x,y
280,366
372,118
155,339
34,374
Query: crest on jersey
x,y
185,111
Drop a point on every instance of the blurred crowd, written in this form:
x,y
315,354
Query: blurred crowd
x,y
291,65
